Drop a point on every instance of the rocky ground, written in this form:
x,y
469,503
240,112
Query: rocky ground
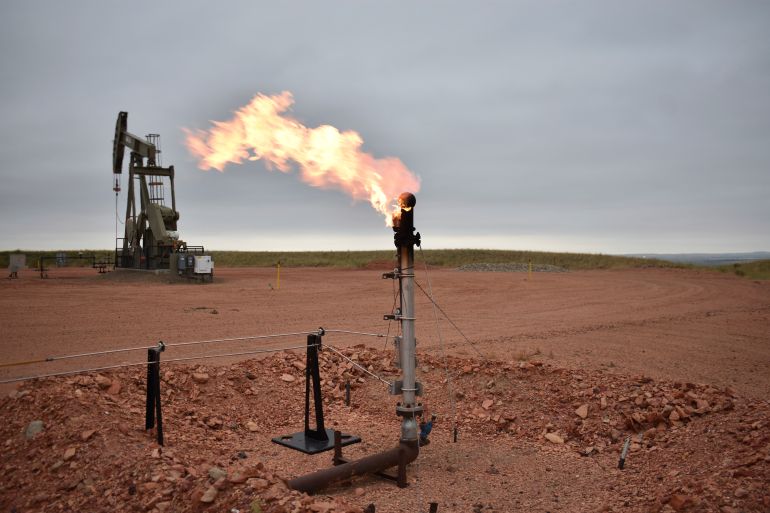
x,y
532,437
550,376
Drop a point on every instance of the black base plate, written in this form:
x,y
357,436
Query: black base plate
x,y
304,443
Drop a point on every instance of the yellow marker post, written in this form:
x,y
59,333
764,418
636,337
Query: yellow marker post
x,y
278,275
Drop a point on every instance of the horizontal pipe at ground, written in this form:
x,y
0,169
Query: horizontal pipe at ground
x,y
403,454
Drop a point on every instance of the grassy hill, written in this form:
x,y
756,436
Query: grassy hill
x,y
362,259
758,270
435,257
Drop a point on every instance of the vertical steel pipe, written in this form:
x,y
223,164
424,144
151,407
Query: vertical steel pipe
x,y
405,239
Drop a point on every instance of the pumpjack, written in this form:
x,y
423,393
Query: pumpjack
x,y
151,239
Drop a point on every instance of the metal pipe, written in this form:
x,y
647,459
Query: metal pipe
x,y
407,324
400,456
405,240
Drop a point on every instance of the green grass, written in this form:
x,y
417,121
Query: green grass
x,y
573,261
345,259
758,270
361,259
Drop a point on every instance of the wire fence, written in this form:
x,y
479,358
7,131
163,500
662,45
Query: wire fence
x,y
55,358
137,364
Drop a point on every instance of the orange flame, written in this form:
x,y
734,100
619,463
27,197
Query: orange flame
x,y
326,157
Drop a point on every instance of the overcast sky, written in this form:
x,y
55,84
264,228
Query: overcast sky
x,y
608,126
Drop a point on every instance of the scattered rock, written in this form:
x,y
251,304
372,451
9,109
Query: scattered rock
x,y
114,388
103,382
237,477
214,423
200,377
209,495
34,427
149,486
298,365
69,453
258,483
539,396
220,484
70,484
322,507
288,378
217,473
680,501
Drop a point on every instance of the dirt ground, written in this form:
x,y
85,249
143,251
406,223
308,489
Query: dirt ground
x,y
633,346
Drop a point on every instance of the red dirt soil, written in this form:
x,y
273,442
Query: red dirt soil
x,y
632,345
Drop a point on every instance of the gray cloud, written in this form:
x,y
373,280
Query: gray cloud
x,y
594,126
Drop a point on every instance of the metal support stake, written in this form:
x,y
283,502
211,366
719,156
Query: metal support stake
x,y
433,507
347,393
312,373
337,460
153,413
624,453
318,439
